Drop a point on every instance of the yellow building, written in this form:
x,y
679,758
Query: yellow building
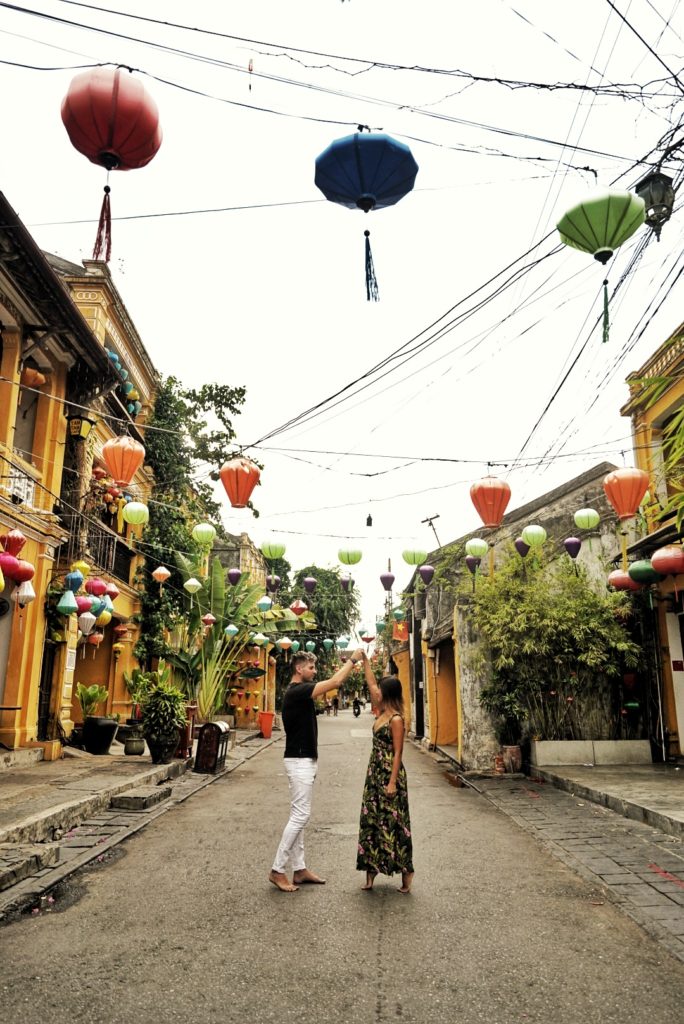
x,y
649,421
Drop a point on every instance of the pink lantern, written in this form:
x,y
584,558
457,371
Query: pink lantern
x,y
13,542
669,560
83,604
618,579
95,586
9,565
24,571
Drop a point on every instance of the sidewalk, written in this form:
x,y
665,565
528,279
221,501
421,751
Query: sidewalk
x,y
57,816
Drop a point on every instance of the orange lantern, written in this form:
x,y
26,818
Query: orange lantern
x,y
123,457
161,575
31,378
239,477
625,489
490,498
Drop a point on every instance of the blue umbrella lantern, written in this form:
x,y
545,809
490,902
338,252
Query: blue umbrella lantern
x,y
366,172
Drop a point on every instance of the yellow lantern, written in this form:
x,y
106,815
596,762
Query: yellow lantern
x,y
81,567
104,618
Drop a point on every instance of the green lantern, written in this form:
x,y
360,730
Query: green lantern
x,y
643,572
328,644
602,223
477,547
135,513
264,604
273,549
343,643
310,646
67,603
295,646
231,631
380,626
413,556
259,639
348,556
534,536
203,534
399,614
587,518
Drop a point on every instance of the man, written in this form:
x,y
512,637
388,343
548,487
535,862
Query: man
x,y
301,763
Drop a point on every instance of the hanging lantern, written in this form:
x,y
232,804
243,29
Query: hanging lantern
x,y
99,473
104,618
192,585
86,623
598,226
284,643
644,573
366,172
121,631
572,545
117,648
136,513
521,547
273,549
13,542
490,498
161,575
343,643
399,614
387,580
79,427
234,577
82,567
96,586
24,571
67,603
380,626
328,644
208,619
239,477
668,560
114,122
534,535
625,489
309,584
84,604
658,195
310,646
31,378
95,639
587,519
426,572
414,556
273,583
476,547
9,565
259,639
298,607
112,591
347,583
348,556
473,563
96,605
73,581
618,579
366,636
24,594
123,457
231,631
264,604
204,534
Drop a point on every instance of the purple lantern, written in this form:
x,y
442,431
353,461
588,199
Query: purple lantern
x,y
273,583
346,582
521,547
426,572
234,577
472,562
309,583
387,579
572,546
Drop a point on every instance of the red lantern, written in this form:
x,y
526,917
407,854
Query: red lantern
x,y
618,579
83,604
208,619
13,542
120,631
112,591
625,489
112,120
24,571
99,472
490,498
9,565
95,586
298,607
123,457
668,560
239,477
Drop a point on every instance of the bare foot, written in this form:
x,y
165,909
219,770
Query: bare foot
x,y
370,878
406,880
306,877
281,882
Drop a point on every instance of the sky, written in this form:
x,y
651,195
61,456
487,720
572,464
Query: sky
x,y
272,296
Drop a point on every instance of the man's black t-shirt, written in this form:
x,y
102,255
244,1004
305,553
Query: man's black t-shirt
x,y
299,721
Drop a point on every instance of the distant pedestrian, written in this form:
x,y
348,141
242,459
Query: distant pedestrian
x,y
385,843
301,763
356,707
336,705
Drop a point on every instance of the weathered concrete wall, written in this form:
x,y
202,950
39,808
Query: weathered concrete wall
x,y
478,741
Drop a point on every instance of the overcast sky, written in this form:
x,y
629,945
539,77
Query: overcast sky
x,y
274,297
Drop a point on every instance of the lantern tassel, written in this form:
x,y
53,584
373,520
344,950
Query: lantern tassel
x,y
103,240
623,546
606,321
371,280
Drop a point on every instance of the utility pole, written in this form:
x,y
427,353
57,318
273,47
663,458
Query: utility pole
x,y
430,523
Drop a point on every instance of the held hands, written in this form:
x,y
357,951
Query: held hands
x,y
357,656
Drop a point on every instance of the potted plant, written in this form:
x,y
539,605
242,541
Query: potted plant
x,y
138,685
163,715
98,730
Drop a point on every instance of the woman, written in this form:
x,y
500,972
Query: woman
x,y
385,831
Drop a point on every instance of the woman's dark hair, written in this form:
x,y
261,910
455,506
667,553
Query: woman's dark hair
x,y
392,694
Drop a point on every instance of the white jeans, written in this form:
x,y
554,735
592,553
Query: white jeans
x,y
301,773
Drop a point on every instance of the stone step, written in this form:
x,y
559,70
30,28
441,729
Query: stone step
x,y
19,860
141,798
23,757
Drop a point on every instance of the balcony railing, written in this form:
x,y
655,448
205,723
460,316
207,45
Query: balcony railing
x,y
94,542
22,485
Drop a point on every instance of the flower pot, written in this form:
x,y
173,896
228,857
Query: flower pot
x,y
98,734
162,747
512,758
135,744
265,719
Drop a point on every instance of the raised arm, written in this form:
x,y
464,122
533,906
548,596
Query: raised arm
x,y
340,676
371,681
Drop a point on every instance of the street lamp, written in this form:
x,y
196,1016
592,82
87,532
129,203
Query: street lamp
x,y
79,427
658,194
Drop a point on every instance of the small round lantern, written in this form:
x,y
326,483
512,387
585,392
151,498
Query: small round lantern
x,y
414,556
73,581
521,547
387,580
426,573
309,646
95,586
572,545
204,534
123,457
587,519
84,604
349,556
309,584
347,583
477,547
273,549
273,583
618,579
643,572
234,577
13,542
136,513
399,614
534,535
328,644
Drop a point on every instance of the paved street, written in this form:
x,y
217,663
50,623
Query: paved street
x,y
180,924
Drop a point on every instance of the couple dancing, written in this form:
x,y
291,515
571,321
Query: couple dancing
x,y
385,831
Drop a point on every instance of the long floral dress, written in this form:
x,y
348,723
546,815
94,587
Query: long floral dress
x,y
385,844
